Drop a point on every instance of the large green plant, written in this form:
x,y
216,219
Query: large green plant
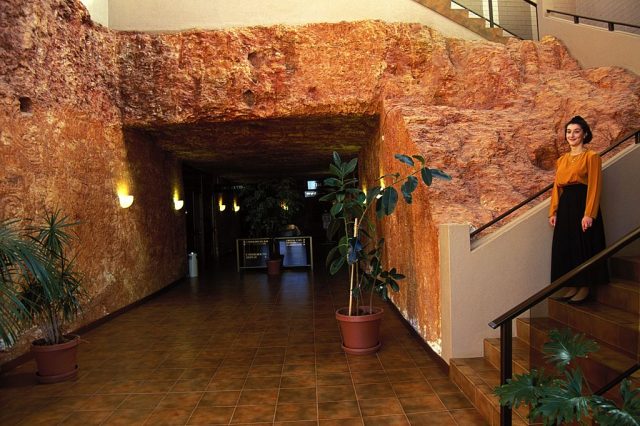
x,y
21,261
38,282
563,395
359,244
269,206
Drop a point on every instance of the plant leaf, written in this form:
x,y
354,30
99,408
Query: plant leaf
x,y
351,166
440,174
336,159
386,204
404,159
564,346
523,389
564,402
336,209
420,158
427,178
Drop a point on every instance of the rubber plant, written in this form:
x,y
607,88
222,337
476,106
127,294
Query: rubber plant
x,y
561,394
358,247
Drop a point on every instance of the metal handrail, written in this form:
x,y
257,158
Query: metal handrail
x,y
490,20
505,321
576,19
475,232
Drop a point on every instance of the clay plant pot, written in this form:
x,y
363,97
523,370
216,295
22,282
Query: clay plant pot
x,y
273,266
360,333
56,363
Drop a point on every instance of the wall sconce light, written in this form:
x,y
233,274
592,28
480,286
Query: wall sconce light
x,y
236,207
221,205
125,200
284,206
178,204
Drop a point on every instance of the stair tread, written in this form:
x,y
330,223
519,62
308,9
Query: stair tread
x,y
606,312
607,355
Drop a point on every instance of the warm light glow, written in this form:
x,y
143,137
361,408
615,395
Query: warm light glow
x,y
236,207
125,200
221,205
178,204
284,206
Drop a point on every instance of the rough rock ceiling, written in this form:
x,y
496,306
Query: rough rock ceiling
x,y
241,150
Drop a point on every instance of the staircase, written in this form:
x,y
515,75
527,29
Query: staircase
x,y
465,18
611,319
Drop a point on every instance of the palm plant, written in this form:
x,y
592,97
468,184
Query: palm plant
x,y
21,261
359,244
563,395
50,303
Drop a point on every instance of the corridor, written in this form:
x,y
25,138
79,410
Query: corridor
x,y
243,348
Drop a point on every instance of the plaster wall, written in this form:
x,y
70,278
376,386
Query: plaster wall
x,y
482,281
99,10
593,46
161,15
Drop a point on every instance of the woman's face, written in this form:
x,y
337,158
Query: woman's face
x,y
574,135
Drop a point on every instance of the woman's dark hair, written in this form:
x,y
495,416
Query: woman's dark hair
x,y
583,125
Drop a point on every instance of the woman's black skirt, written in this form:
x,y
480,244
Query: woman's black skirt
x,y
571,246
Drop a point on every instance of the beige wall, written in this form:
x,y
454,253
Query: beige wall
x,y
483,281
99,10
590,45
164,15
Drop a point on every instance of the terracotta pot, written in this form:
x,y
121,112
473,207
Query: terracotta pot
x,y
56,363
273,266
360,333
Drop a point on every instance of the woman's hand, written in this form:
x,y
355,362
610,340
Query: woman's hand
x,y
586,223
552,220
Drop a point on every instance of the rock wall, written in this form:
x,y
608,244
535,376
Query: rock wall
x,y
62,146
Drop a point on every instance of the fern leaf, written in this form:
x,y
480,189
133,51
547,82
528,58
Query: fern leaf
x,y
565,346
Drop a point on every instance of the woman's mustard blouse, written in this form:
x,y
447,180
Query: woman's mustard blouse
x,y
585,168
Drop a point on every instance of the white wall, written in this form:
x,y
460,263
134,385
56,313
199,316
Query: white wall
x,y
99,10
480,283
167,15
590,45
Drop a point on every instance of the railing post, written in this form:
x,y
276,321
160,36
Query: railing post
x,y
610,26
576,19
491,13
637,137
505,366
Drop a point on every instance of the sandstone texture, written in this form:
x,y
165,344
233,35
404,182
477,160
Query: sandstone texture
x,y
84,110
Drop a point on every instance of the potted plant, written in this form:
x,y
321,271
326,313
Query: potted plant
x,y
561,394
43,288
271,205
359,247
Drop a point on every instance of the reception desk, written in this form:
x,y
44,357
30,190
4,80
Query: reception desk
x,y
252,253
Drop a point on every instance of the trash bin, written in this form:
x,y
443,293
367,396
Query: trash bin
x,y
193,265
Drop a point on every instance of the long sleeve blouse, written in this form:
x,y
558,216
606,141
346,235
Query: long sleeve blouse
x,y
585,168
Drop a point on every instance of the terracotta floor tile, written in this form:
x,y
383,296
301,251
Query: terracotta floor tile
x,y
374,390
124,417
443,385
336,393
386,421
338,410
468,417
219,398
297,395
186,401
356,421
418,404
416,388
455,401
142,401
296,412
211,415
253,414
82,418
258,397
298,381
228,383
437,418
380,407
262,382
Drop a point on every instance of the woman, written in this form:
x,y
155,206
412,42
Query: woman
x,y
575,214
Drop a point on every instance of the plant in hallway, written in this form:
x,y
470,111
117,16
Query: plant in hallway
x,y
271,205
40,286
359,248
562,394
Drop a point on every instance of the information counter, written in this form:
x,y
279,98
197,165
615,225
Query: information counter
x,y
252,253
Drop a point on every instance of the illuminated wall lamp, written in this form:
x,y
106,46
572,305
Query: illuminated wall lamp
x,y
178,204
236,207
125,200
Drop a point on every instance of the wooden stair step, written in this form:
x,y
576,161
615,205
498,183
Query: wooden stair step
x,y
605,323
600,367
620,294
625,267
476,378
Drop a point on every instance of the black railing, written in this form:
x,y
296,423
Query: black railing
x,y
505,320
576,20
635,134
532,32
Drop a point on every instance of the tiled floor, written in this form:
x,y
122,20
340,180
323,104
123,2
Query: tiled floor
x,y
240,349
